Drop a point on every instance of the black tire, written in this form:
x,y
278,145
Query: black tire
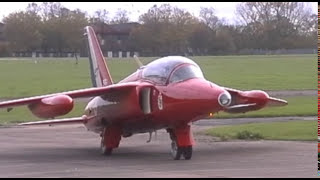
x,y
176,151
187,152
105,151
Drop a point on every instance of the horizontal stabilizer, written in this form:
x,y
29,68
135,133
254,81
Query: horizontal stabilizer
x,y
275,102
241,108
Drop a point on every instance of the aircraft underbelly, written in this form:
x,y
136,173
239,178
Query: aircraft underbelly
x,y
111,113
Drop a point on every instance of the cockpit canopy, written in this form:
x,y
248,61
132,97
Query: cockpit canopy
x,y
171,69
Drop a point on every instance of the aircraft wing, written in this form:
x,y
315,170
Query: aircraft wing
x,y
244,101
75,120
111,91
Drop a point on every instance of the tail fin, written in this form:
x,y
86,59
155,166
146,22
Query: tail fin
x,y
100,75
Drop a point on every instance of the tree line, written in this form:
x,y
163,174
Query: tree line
x,y
168,30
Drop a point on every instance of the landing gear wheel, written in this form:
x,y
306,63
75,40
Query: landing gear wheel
x,y
175,150
104,150
103,146
187,152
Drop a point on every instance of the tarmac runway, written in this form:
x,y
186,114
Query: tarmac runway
x,y
72,151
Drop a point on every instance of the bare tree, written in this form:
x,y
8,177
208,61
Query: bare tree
x,y
100,16
34,8
208,17
275,24
167,30
297,13
120,17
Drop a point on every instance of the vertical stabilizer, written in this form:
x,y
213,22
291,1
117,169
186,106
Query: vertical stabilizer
x,y
100,74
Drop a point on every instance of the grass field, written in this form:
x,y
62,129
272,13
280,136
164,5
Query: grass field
x,y
298,106
21,78
295,130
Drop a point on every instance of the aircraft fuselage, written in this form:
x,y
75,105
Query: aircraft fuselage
x,y
154,107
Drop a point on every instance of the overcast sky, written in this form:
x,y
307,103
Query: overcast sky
x,y
223,9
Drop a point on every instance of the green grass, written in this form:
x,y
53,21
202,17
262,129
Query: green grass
x,y
21,78
297,106
295,130
262,72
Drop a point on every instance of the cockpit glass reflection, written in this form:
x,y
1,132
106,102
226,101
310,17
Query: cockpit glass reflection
x,y
159,70
185,72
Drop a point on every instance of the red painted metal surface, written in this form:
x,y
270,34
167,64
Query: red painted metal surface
x,y
89,92
256,96
184,136
180,104
99,58
112,136
52,106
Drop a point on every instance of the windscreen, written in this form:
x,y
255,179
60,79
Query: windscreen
x,y
185,72
159,70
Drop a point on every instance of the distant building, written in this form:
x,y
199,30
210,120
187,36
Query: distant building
x,y
2,38
114,38
3,42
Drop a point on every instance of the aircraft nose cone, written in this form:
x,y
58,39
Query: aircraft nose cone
x,y
198,97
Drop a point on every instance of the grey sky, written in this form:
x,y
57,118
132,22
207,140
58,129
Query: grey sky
x,y
223,9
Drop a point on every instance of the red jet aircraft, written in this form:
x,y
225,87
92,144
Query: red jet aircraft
x,y
170,93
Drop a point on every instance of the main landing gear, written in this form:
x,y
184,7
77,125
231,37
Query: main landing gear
x,y
110,139
182,142
181,137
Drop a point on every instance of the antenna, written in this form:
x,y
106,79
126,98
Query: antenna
x,y
137,61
